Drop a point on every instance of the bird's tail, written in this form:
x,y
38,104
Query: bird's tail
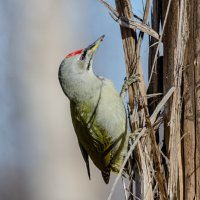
x,y
106,175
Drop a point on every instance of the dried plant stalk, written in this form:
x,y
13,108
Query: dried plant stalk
x,y
175,172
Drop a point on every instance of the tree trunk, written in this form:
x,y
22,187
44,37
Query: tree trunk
x,y
190,122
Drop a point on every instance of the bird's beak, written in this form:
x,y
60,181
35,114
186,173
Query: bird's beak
x,y
94,46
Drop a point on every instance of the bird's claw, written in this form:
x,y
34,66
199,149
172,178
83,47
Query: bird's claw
x,y
135,134
127,82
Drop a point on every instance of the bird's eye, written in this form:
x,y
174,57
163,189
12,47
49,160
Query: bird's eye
x,y
83,55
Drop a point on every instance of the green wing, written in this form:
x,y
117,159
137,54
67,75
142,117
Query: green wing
x,y
89,134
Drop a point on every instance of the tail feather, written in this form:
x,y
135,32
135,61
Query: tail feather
x,y
106,175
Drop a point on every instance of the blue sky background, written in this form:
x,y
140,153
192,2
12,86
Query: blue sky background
x,y
39,154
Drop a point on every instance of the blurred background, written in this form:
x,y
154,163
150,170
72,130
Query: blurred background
x,y
39,155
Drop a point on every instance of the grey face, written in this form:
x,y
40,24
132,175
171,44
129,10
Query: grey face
x,y
76,65
86,59
81,60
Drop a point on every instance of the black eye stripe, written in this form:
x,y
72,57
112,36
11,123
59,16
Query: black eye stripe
x,y
83,55
88,67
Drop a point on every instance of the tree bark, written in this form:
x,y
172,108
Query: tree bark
x,y
190,122
169,48
196,40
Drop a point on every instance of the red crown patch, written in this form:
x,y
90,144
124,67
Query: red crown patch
x,y
74,53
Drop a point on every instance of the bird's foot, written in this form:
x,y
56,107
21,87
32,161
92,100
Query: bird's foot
x,y
135,134
134,78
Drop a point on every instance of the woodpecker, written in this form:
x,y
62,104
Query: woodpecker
x,y
97,111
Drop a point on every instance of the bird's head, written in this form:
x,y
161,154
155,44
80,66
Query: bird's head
x,y
75,72
82,59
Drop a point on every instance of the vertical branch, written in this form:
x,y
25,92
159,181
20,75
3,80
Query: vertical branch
x,y
175,182
136,91
129,44
129,40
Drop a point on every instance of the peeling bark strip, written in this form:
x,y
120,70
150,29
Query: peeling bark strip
x,y
191,104
128,22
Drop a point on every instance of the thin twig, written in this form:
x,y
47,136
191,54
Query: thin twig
x,y
153,95
158,122
136,17
159,176
129,23
141,34
155,43
161,104
132,24
135,197
166,159
159,42
125,189
152,176
125,161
